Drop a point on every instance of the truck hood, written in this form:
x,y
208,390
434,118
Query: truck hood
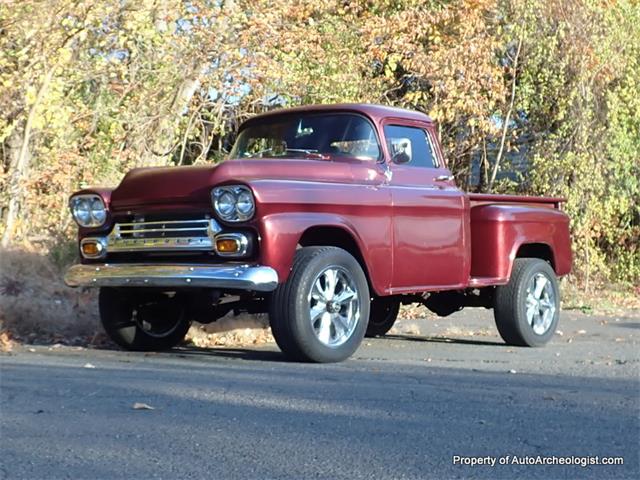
x,y
192,185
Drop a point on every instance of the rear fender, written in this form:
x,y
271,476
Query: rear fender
x,y
499,232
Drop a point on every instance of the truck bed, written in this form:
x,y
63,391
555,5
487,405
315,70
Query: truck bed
x,y
504,227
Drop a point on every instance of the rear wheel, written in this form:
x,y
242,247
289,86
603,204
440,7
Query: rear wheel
x,y
320,313
527,309
383,315
143,321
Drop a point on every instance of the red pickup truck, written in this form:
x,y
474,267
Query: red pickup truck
x,y
328,218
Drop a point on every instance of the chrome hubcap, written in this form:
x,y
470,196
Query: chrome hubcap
x,y
540,303
334,306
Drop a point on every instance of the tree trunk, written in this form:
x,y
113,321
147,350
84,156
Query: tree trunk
x,y
18,169
161,147
507,119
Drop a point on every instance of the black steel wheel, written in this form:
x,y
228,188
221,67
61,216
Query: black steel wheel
x,y
141,320
383,315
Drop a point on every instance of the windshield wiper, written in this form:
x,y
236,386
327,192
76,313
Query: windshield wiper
x,y
308,152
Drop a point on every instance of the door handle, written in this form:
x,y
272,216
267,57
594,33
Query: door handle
x,y
444,178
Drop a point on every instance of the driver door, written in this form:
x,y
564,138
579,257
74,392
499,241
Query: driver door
x,y
429,236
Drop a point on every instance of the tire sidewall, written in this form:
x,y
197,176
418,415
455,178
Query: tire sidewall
x,y
302,329
533,268
116,307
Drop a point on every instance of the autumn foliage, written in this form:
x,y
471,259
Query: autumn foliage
x,y
531,96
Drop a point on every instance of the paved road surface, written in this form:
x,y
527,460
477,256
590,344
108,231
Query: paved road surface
x,y
403,407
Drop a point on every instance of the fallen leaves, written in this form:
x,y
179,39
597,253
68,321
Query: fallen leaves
x,y
199,337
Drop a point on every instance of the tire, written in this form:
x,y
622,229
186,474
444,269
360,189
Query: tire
x,y
382,316
143,322
527,308
307,322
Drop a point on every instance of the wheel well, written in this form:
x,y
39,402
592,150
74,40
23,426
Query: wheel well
x,y
537,250
334,237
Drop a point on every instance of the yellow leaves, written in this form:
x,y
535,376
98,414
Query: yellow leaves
x,y
64,56
30,95
391,66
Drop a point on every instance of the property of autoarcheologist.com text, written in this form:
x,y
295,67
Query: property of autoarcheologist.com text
x,y
579,461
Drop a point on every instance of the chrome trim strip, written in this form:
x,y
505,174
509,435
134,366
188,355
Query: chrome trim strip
x,y
236,277
159,244
202,221
156,230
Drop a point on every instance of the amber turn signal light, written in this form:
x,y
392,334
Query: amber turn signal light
x,y
91,248
227,245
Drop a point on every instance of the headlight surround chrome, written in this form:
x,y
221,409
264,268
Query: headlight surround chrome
x,y
233,203
88,211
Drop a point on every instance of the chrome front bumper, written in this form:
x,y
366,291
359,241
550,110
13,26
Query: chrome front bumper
x,y
236,277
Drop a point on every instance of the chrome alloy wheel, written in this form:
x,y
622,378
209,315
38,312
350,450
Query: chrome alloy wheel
x,y
334,306
540,303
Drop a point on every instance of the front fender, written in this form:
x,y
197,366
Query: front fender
x,y
280,234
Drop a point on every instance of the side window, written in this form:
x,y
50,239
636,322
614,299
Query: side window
x,y
409,146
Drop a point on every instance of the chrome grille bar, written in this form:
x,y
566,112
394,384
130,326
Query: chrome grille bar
x,y
164,222
164,230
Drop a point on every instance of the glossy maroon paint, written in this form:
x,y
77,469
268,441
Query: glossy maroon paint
x,y
414,229
499,230
430,229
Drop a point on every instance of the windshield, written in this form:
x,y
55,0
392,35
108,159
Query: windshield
x,y
309,135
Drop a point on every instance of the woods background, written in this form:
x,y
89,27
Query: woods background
x,y
536,97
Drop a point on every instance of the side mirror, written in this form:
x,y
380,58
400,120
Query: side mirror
x,y
400,150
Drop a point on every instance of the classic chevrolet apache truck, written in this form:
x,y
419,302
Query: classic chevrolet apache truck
x,y
328,218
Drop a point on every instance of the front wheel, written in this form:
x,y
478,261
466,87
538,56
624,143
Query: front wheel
x,y
527,308
143,321
320,313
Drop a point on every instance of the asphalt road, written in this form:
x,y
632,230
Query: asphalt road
x,y
403,407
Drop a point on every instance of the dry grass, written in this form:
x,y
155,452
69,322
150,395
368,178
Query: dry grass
x,y
600,299
35,303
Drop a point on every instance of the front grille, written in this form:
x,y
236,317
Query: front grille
x,y
163,229
160,235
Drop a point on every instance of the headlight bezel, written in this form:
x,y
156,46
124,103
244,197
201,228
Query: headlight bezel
x,y
97,214
236,191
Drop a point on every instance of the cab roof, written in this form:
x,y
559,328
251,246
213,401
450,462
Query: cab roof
x,y
373,111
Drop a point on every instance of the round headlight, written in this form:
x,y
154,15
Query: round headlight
x,y
81,211
245,204
98,212
88,210
226,204
233,203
